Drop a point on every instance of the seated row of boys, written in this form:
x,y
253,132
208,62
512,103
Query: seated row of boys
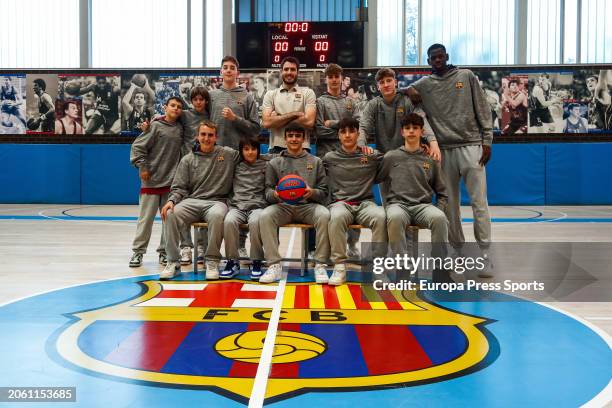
x,y
338,193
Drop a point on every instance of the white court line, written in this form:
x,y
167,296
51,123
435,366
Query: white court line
x,y
258,393
605,395
598,318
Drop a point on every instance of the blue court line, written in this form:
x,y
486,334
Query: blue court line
x,y
101,218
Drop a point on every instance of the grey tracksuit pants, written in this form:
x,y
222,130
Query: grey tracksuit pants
x,y
276,215
231,233
399,216
462,163
342,215
149,205
192,210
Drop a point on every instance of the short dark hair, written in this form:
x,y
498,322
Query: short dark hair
x,y
592,76
41,83
200,91
175,98
100,77
248,141
207,123
333,69
295,128
572,106
435,46
383,73
413,119
292,60
348,122
513,81
230,58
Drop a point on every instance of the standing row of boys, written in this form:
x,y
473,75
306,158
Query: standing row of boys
x,y
223,180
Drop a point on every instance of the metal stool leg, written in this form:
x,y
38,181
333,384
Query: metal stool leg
x,y
195,250
304,251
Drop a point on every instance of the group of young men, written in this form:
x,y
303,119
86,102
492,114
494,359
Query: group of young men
x,y
223,179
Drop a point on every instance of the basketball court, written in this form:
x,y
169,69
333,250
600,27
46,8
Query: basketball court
x,y
75,315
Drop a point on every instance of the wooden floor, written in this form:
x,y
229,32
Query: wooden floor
x,y
46,247
529,355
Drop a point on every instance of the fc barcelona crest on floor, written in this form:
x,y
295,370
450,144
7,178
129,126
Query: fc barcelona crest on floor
x,y
210,335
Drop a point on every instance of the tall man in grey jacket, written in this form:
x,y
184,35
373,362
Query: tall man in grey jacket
x,y
310,209
200,190
156,153
460,116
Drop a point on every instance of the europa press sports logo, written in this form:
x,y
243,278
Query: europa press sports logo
x,y
211,334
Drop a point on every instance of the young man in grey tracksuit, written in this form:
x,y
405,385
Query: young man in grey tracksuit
x,y
351,175
233,108
459,113
235,112
333,106
156,153
310,209
247,201
413,179
200,190
380,120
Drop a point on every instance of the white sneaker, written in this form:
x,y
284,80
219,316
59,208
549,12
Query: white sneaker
x,y
320,273
352,252
171,270
273,274
186,256
339,275
212,270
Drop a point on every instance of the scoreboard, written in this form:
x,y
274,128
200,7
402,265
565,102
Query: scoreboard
x,y
314,44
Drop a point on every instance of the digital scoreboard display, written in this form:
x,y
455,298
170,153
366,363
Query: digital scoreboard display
x,y
314,44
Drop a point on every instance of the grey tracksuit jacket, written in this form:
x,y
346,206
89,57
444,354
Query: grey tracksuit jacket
x,y
457,108
244,106
351,175
381,122
413,178
206,176
307,166
159,151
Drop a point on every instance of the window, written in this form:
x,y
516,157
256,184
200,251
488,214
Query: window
x,y
139,33
389,36
596,31
214,33
475,32
543,32
39,34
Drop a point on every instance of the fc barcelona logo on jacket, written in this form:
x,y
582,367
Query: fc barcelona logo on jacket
x,y
363,160
309,166
221,158
210,335
459,85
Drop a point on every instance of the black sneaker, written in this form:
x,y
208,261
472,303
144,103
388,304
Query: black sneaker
x,y
232,269
136,260
163,259
256,270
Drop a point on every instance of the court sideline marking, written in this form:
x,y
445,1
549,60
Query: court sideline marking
x,y
260,385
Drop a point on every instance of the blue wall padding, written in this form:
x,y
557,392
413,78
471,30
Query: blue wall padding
x,y
107,175
579,174
519,174
515,175
40,174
